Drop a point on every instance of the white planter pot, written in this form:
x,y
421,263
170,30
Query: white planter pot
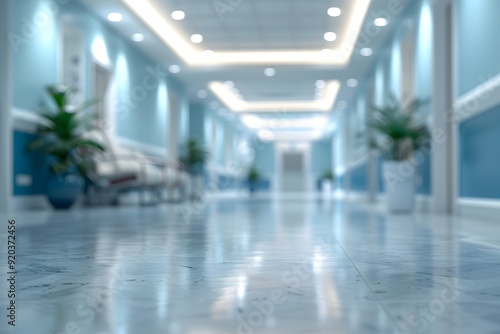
x,y
326,188
399,181
197,189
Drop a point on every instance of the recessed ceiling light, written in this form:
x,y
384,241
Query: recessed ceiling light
x,y
214,104
115,17
320,84
174,69
202,94
178,15
235,91
229,84
334,11
352,83
367,52
381,22
342,105
330,36
137,37
269,72
196,38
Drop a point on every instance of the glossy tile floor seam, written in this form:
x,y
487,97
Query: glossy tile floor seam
x,y
382,306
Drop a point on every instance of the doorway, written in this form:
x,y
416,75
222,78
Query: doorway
x,y
293,176
293,167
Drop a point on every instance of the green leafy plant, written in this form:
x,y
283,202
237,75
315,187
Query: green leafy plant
x,y
62,134
253,175
194,156
397,134
328,175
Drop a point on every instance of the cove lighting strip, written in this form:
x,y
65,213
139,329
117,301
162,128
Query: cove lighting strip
x,y
267,135
233,103
166,30
255,123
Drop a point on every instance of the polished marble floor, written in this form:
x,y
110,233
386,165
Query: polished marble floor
x,y
253,266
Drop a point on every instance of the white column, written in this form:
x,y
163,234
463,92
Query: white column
x,y
346,124
442,143
5,109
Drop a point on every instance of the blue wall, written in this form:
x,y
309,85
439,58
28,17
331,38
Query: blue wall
x,y
35,164
476,45
34,53
480,156
141,111
197,122
265,157
321,157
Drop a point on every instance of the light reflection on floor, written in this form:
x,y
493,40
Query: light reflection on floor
x,y
288,265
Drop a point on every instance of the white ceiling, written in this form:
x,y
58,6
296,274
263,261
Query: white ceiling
x,y
261,24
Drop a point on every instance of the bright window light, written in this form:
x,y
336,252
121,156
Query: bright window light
x,y
229,98
178,15
170,34
334,11
100,51
115,17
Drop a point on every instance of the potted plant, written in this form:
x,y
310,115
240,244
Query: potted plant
x,y
253,177
194,158
62,137
398,135
327,182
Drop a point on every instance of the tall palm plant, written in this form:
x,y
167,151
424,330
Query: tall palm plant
x,y
62,134
398,134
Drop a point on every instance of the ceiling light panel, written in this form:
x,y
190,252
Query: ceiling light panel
x,y
234,103
242,44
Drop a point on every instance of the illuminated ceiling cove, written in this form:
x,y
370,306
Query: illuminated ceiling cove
x,y
235,103
170,32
